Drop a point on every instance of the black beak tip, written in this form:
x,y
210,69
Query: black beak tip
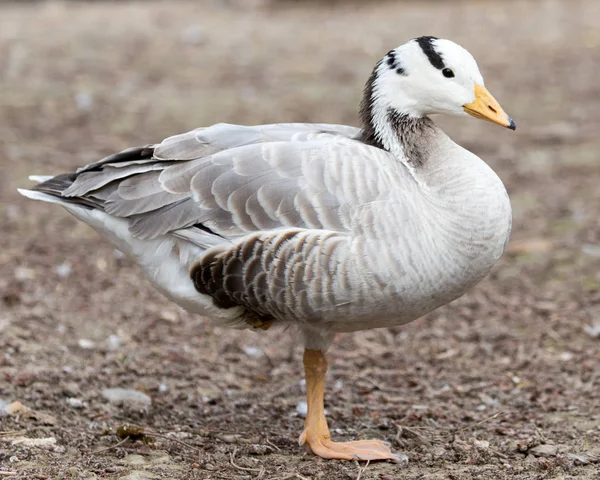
x,y
513,125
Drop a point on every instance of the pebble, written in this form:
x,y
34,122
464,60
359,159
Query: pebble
x,y
126,396
63,270
84,101
139,475
35,442
71,389
252,351
566,356
402,459
134,459
75,402
593,330
113,342
439,452
86,344
11,408
302,408
544,450
578,459
481,444
22,274
591,250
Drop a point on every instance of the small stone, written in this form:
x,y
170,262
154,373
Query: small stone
x,y
84,101
566,356
439,452
162,388
35,442
63,270
302,408
23,274
252,352
544,450
593,330
402,459
139,475
578,459
481,444
86,344
71,389
169,316
134,459
13,459
113,342
126,396
75,402
14,407
591,250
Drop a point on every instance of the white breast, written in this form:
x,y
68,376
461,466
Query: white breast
x,y
430,240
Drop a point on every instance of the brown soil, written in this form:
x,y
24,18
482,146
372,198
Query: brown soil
x,y
503,383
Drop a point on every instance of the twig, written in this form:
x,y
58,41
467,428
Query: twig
x,y
468,427
6,473
271,364
292,475
362,469
246,469
498,454
10,433
540,434
112,446
272,444
150,432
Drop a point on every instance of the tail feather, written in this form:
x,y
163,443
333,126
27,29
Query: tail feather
x,y
40,178
56,185
51,190
44,197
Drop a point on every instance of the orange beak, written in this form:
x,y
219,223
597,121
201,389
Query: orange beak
x,y
487,108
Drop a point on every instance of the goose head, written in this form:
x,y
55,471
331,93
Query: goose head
x,y
428,76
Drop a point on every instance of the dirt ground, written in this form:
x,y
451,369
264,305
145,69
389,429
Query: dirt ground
x,y
503,383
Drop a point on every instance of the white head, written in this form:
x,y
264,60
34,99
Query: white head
x,y
429,76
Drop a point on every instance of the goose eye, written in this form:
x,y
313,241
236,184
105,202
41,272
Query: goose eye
x,y
448,73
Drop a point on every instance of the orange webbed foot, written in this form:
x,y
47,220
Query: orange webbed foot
x,y
361,450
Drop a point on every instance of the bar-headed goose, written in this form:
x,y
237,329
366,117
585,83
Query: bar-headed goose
x,y
328,228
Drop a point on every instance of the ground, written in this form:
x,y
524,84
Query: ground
x,y
503,383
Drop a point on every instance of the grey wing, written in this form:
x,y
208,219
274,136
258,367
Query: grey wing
x,y
230,179
277,203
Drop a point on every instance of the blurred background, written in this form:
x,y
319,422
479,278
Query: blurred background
x,y
503,382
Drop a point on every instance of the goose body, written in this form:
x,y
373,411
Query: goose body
x,y
328,228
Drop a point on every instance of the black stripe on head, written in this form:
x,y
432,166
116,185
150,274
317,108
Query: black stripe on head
x,y
394,63
391,58
426,44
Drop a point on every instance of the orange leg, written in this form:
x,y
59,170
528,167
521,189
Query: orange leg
x,y
316,437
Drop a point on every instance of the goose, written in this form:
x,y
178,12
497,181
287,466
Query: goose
x,y
324,228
